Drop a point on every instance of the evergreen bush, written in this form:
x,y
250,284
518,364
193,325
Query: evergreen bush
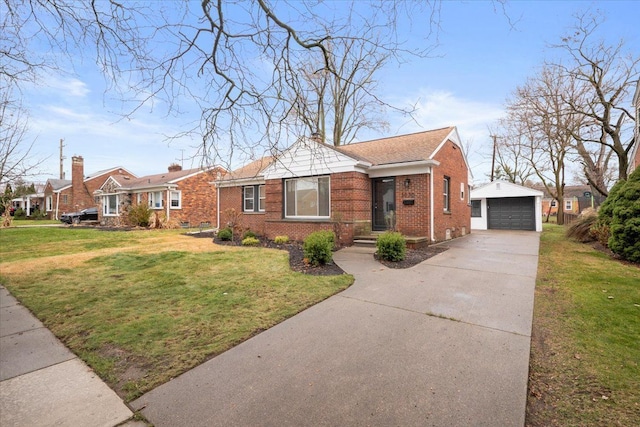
x,y
249,233
139,215
250,241
391,246
318,247
225,234
625,221
281,240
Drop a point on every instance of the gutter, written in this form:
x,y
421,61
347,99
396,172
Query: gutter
x,y
218,208
57,205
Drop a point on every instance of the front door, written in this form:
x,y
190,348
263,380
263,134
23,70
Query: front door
x,y
384,201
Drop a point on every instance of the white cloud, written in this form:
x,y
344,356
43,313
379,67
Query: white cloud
x,y
437,108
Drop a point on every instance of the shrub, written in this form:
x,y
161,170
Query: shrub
x,y
391,246
281,240
139,215
225,234
249,233
580,229
625,221
317,247
250,241
20,214
601,232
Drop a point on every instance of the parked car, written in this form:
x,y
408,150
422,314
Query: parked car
x,y
89,214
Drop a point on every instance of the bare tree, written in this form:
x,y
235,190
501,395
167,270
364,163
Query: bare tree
x,y
511,154
235,62
337,105
542,126
17,161
605,76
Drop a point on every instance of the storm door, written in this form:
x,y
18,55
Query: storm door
x,y
384,202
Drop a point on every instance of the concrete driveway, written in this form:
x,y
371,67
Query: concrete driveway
x,y
445,343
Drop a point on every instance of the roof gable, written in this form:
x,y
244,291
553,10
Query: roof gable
x,y
499,189
308,157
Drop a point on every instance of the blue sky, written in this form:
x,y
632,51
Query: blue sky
x,y
483,55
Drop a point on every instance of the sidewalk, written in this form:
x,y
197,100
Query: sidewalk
x,y
444,343
42,383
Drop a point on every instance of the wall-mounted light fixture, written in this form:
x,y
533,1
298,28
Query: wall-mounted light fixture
x,y
407,182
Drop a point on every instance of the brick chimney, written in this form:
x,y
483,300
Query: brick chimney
x,y
77,181
174,167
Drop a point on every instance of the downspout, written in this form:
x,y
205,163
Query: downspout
x,y
57,204
168,202
431,216
218,207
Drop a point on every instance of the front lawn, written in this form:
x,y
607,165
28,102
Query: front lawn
x,y
142,307
585,347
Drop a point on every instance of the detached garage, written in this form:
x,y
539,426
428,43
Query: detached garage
x,y
501,205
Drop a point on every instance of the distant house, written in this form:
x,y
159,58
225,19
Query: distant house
x,y
185,196
30,202
576,199
63,196
417,184
501,205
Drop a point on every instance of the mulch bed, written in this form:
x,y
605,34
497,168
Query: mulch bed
x,y
297,263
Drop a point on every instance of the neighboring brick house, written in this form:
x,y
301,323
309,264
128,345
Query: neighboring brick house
x,y
185,196
419,181
63,196
576,199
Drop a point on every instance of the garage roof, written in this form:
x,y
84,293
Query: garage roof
x,y
498,189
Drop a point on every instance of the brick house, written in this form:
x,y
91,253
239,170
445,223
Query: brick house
x,y
185,196
634,154
63,196
419,181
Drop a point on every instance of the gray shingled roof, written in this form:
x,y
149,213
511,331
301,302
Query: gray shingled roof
x,y
59,184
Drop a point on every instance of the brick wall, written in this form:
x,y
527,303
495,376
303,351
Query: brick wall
x,y
350,209
458,219
199,199
413,220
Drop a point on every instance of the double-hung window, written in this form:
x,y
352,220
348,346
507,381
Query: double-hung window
x,y
175,201
568,205
49,204
476,208
446,193
307,197
253,198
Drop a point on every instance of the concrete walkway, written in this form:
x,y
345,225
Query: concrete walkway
x,y
42,383
445,343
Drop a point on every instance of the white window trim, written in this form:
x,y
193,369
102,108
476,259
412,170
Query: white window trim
x,y
152,199
318,201
245,199
179,193
554,203
568,205
105,205
446,201
260,198
49,203
462,191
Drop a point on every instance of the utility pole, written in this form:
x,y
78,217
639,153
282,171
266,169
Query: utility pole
x,y
61,159
181,158
493,157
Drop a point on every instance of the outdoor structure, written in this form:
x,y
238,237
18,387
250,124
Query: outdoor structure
x,y
183,196
30,202
417,184
501,205
63,196
576,199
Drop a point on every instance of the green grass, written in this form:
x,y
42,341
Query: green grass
x,y
142,316
585,360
